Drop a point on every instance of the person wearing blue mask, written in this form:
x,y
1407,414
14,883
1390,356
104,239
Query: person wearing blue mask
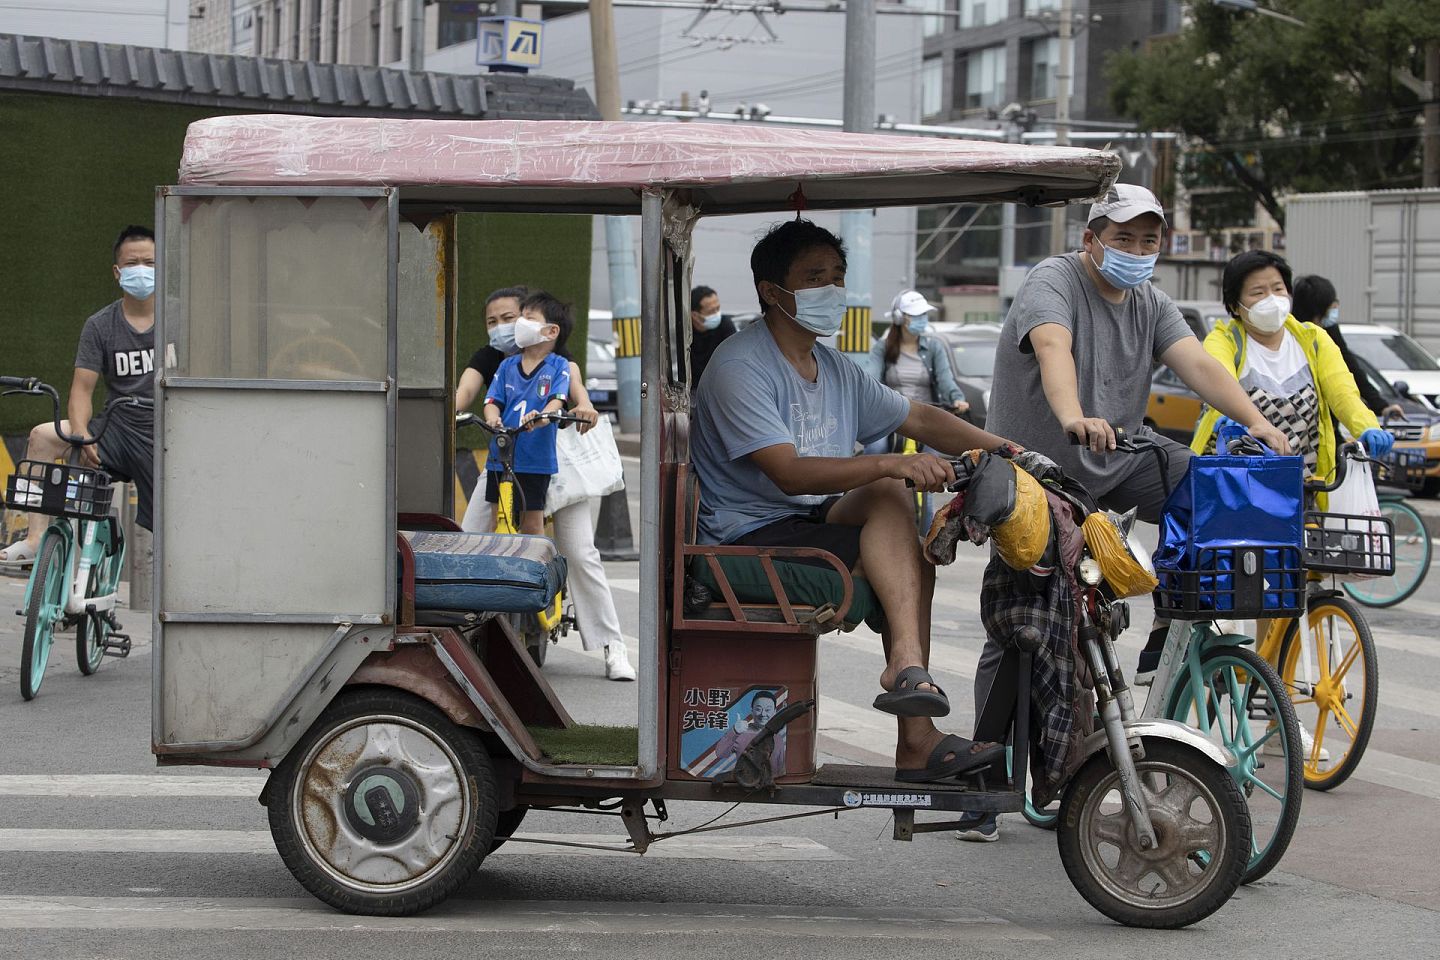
x,y
911,359
1075,355
772,436
117,344
708,329
1317,302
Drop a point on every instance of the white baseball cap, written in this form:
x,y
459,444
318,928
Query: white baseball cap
x,y
910,303
1124,202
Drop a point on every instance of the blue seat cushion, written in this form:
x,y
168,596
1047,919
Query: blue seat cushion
x,y
498,573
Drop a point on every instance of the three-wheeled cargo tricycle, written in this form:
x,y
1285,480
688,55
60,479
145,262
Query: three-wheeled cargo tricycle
x,y
305,434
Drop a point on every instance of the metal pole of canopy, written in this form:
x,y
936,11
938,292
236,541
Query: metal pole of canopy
x,y
857,226
619,238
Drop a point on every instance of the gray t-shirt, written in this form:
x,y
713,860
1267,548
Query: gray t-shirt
x,y
909,375
1115,346
124,357
752,398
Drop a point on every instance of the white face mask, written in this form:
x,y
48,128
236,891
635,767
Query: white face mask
x,y
709,321
1268,315
528,333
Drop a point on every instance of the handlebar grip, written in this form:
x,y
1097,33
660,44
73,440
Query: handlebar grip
x,y
1120,435
23,383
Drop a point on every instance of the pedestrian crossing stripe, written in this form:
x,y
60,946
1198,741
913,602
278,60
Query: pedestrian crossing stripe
x,y
855,333
627,336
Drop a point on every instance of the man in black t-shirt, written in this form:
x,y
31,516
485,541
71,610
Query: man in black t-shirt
x,y
708,329
118,345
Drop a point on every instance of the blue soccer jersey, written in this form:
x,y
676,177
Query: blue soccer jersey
x,y
516,395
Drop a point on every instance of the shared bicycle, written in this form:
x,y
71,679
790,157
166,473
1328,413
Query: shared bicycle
x,y
76,577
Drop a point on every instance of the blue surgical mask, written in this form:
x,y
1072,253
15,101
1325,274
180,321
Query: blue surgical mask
x,y
139,282
1332,317
709,321
918,324
1126,271
821,310
502,338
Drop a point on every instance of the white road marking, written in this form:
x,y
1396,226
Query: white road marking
x,y
709,847
127,785
1401,773
517,916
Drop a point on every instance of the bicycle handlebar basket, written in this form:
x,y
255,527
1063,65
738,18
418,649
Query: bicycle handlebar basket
x,y
59,490
1344,543
1231,540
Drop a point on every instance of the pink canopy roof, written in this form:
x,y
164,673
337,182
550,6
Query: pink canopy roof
x,y
731,167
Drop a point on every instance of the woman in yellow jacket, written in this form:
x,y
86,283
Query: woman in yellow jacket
x,y
1292,371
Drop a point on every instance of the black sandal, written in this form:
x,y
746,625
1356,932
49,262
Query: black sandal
x,y
907,700
969,756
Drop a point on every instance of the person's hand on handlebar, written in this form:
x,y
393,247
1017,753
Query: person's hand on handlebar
x,y
925,470
1092,432
589,414
961,406
89,453
1377,442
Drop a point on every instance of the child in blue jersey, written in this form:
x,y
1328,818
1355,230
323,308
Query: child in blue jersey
x,y
534,381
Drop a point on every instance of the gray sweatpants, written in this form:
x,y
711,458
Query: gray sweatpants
x,y
1141,488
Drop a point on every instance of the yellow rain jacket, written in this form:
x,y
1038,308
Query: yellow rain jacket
x,y
1333,383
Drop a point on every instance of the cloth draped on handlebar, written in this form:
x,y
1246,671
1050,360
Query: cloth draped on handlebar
x,y
1041,596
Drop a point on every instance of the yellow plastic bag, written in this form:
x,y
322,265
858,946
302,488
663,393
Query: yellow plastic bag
x,y
1121,570
1021,538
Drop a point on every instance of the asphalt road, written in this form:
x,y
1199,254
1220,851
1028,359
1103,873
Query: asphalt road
x,y
102,855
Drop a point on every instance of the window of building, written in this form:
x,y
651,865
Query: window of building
x,y
314,42
931,73
397,31
457,23
243,37
978,13
373,54
295,31
984,79
1033,7
933,26
1043,55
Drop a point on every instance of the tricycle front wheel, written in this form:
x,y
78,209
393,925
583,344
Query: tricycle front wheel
x,y
1201,824
384,807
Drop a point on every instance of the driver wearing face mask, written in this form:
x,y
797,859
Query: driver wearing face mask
x,y
772,438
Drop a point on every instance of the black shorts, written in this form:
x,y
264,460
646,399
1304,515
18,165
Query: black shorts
x,y
533,487
127,451
810,530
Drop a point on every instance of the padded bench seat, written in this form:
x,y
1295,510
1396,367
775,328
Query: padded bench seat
x,y
497,573
808,587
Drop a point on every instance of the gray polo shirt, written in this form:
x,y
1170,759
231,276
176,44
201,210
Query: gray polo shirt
x,y
1115,347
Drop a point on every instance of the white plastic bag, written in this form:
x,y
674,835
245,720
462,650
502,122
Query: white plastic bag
x,y
589,466
1356,497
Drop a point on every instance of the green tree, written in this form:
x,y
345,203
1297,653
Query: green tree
x,y
1286,108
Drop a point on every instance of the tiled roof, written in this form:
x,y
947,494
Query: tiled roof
x,y
49,65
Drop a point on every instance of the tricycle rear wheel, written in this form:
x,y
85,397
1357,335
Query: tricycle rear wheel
x,y
384,807
1202,827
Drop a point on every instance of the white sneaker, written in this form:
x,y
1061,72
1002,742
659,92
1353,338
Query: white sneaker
x,y
18,554
1275,747
617,662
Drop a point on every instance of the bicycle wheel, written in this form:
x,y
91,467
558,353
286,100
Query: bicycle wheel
x,y
46,607
1332,674
1413,551
1246,711
104,579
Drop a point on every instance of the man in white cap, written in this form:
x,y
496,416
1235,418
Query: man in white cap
x,y
1075,356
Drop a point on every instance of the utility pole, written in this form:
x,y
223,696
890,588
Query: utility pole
x,y
619,237
1063,76
1431,177
857,226
417,35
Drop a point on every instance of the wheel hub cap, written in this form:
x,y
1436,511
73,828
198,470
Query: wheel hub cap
x,y
382,804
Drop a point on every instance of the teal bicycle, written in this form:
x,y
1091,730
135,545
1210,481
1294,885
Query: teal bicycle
x,y
76,578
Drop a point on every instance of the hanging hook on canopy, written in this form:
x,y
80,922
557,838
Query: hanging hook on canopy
x,y
797,200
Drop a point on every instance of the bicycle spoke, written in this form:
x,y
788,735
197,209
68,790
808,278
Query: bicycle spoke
x,y
1267,788
1342,717
1319,734
1347,662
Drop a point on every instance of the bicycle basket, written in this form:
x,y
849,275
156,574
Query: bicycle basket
x,y
1404,467
1242,582
1342,543
58,490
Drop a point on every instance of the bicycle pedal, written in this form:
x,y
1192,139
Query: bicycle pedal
x,y
116,645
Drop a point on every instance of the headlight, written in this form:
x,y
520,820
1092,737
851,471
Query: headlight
x,y
1434,432
1090,571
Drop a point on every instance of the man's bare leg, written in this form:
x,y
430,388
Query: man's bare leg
x,y
44,444
890,559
